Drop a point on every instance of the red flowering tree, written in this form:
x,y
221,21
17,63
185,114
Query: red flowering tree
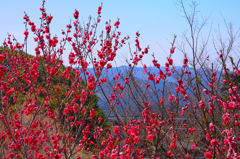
x,y
49,110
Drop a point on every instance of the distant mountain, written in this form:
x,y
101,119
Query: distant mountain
x,y
140,76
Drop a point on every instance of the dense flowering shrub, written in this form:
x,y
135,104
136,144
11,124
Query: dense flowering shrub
x,y
49,110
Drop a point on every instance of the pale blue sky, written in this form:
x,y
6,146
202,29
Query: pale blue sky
x,y
156,20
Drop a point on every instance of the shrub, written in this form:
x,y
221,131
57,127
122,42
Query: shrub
x,y
49,110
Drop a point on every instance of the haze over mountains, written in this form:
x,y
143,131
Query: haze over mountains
x,y
142,77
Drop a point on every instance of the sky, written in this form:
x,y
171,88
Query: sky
x,y
156,20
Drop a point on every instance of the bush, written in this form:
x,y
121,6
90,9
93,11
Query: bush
x,y
49,110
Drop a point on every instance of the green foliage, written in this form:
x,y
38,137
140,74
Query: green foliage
x,y
58,89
